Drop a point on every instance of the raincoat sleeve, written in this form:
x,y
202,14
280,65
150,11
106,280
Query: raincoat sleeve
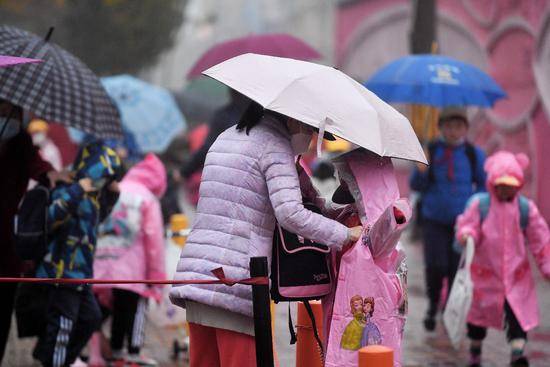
x,y
480,177
538,239
65,202
469,222
153,242
278,167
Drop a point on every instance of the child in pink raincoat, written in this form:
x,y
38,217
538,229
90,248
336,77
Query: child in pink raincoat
x,y
132,247
368,303
504,288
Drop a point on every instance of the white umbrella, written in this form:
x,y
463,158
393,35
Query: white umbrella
x,y
322,97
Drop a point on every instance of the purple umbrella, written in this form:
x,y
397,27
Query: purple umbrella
x,y
282,45
12,60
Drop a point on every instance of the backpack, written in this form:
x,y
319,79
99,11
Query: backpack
x,y
299,272
485,203
31,224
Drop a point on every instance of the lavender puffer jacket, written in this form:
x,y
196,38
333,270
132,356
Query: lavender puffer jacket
x,y
248,182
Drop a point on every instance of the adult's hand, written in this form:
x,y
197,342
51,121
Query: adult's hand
x,y
354,234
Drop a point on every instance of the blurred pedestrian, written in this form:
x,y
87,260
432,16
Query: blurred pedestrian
x,y
504,226
454,174
48,150
74,215
131,246
249,182
223,119
20,161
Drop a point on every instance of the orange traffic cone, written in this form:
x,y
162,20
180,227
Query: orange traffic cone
x,y
307,349
375,356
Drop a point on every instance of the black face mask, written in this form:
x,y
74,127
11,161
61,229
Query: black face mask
x,y
107,200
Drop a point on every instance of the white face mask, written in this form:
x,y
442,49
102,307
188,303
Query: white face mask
x,y
300,142
13,127
38,138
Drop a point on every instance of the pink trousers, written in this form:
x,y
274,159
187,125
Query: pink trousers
x,y
212,347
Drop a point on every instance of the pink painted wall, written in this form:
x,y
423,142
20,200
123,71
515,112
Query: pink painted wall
x,y
504,37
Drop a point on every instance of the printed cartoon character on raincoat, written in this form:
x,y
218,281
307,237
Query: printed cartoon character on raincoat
x,y
368,303
500,268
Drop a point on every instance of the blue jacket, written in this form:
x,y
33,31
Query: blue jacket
x,y
73,215
444,199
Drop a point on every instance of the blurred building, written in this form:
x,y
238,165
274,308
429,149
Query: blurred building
x,y
509,39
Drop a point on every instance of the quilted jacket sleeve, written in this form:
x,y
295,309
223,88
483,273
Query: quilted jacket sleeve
x,y
278,167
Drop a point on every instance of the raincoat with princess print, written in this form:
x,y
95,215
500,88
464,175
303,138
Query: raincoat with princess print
x,y
500,269
368,303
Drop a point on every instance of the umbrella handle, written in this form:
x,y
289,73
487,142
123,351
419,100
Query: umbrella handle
x,y
49,34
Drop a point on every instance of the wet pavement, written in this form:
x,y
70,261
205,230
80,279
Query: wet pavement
x,y
420,348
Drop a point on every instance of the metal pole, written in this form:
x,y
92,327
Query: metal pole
x,y
262,314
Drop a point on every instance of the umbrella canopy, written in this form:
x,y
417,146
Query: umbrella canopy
x,y
435,80
283,45
148,112
62,89
13,60
322,97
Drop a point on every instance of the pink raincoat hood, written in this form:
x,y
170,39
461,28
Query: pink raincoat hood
x,y
505,164
149,172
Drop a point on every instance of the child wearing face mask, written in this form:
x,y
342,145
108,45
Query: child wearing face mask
x,y
505,226
454,174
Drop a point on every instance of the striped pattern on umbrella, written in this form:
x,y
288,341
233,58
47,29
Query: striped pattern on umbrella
x,y
61,89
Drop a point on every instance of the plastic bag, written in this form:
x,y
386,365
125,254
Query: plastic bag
x,y
460,298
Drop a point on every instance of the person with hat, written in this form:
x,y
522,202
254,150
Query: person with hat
x,y
38,129
74,214
505,226
455,173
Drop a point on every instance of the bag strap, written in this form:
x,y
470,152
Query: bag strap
x,y
523,212
293,337
314,326
472,158
484,204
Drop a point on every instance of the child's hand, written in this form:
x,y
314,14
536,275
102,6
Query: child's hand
x,y
86,184
464,238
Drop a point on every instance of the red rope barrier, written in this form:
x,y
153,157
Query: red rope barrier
x,y
217,272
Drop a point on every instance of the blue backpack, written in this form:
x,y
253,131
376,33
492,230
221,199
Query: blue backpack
x,y
485,203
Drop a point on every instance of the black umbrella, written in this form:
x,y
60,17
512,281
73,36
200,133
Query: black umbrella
x,y
61,89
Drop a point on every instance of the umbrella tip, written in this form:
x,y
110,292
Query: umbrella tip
x,y
49,34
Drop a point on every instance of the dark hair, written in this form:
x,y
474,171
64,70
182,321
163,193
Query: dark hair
x,y
253,114
250,117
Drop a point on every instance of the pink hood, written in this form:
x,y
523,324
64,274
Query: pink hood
x,y
505,164
149,172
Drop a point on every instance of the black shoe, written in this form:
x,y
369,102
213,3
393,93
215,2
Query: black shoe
x,y
474,365
429,323
520,362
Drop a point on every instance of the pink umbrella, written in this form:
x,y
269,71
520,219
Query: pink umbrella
x,y
282,45
12,60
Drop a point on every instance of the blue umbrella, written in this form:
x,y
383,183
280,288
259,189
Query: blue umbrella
x,y
434,80
148,112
